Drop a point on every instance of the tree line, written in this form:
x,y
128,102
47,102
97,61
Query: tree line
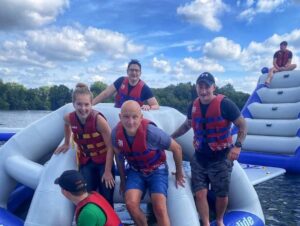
x,y
14,96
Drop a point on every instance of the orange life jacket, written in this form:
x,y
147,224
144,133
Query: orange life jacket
x,y
112,218
89,141
135,93
138,155
217,129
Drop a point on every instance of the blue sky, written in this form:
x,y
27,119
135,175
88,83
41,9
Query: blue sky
x,y
46,42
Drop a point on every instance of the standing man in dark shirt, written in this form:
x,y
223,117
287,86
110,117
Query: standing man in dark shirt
x,y
282,61
211,117
130,88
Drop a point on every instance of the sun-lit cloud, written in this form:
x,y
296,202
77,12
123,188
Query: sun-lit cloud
x,y
222,48
204,12
16,14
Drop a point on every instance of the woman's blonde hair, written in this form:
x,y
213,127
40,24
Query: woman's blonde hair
x,y
80,89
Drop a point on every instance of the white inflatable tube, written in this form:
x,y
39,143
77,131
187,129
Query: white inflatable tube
x,y
49,207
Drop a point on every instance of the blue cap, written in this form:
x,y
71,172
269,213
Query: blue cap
x,y
206,78
72,181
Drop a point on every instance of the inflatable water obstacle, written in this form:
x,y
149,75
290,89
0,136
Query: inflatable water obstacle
x,y
7,133
22,157
273,120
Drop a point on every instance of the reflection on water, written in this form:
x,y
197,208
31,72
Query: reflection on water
x,y
280,198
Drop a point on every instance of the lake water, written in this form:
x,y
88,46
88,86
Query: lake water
x,y
279,197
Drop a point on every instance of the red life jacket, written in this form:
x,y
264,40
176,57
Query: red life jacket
x,y
89,141
282,58
139,156
112,218
135,93
217,129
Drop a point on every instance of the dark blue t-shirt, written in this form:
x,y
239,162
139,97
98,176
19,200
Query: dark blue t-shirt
x,y
146,91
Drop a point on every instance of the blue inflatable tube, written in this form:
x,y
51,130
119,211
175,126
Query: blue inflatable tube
x,y
8,219
18,197
240,218
6,136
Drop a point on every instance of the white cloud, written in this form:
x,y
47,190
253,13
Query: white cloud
x,y
29,13
267,6
64,44
222,48
201,64
54,46
96,78
114,44
162,66
261,6
17,54
204,12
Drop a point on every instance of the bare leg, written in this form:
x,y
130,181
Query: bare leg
x,y
221,205
270,75
133,200
202,206
290,67
159,203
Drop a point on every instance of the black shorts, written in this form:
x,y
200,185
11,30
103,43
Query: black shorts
x,y
217,173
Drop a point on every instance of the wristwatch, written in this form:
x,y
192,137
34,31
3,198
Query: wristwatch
x,y
238,144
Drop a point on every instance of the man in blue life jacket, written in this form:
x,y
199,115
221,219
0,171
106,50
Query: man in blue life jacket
x,y
130,87
211,117
143,145
282,61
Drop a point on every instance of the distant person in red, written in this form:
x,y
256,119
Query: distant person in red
x,y
130,87
282,61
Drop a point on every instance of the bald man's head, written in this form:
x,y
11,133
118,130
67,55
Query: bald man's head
x,y
130,105
131,116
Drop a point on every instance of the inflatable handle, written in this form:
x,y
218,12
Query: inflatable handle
x,y
280,92
274,108
286,75
269,124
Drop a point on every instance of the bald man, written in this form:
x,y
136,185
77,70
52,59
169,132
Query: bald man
x,y
142,144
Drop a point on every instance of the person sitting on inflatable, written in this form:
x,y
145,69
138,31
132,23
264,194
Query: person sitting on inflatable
x,y
282,61
130,88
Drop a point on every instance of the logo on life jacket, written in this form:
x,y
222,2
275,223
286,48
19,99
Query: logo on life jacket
x,y
120,143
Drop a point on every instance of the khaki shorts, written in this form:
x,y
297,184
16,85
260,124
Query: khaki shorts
x,y
217,173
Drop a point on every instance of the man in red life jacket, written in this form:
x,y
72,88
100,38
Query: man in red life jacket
x,y
91,208
142,144
130,88
211,116
282,61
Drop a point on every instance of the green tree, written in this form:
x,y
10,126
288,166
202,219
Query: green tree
x,y
97,87
16,96
59,96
